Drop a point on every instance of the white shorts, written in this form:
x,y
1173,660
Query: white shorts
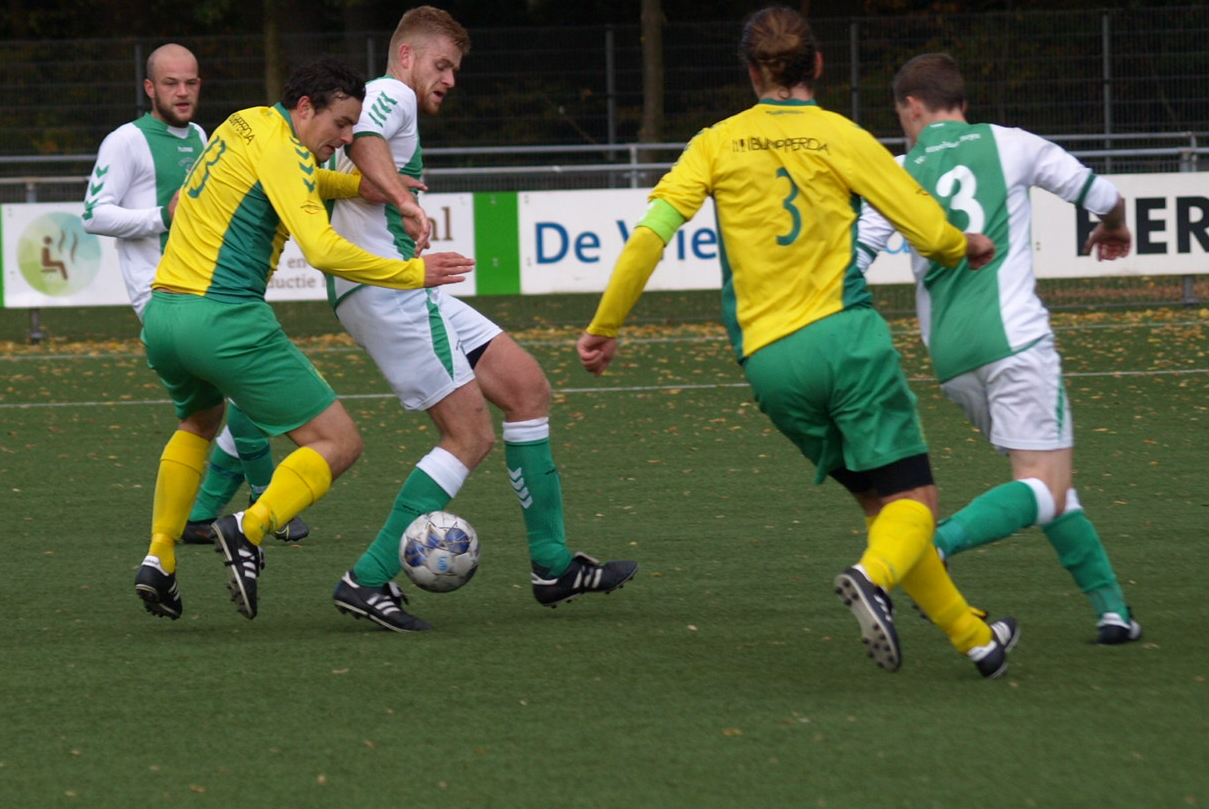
x,y
419,339
1018,402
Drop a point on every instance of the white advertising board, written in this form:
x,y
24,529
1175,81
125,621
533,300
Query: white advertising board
x,y
49,259
569,241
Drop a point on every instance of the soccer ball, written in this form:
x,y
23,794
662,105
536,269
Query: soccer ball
x,y
439,551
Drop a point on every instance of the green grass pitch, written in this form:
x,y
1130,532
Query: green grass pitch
x,y
727,674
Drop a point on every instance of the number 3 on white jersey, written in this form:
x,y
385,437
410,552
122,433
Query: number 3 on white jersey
x,y
958,186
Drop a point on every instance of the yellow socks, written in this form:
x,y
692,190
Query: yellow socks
x,y
929,585
298,482
898,537
900,552
180,473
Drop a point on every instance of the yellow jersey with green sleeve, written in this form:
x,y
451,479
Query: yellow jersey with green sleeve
x,y
787,178
255,185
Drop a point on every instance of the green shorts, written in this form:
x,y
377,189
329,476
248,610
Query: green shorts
x,y
205,350
836,389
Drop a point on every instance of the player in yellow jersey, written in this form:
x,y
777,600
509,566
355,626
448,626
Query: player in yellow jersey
x,y
209,332
786,177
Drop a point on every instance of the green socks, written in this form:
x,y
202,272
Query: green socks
x,y
995,514
436,480
224,476
254,452
439,476
534,478
1012,506
1082,554
380,562
226,473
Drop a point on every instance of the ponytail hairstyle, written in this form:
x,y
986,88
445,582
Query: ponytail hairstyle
x,y
778,43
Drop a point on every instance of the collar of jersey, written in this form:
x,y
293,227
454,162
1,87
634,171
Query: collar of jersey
x,y
789,102
937,131
286,115
938,126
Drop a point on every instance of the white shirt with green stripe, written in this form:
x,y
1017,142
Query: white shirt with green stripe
x,y
140,165
981,174
389,112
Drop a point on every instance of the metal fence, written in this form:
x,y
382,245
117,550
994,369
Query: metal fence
x,y
1056,72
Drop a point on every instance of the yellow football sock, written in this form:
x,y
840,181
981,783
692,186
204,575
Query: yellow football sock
x,y
163,547
897,539
180,472
929,585
299,481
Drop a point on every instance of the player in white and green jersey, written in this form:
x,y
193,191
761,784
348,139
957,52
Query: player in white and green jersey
x,y
988,333
439,354
140,167
132,196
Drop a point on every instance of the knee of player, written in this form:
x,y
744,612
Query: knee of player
x,y
1052,499
1063,503
481,444
205,423
530,400
470,446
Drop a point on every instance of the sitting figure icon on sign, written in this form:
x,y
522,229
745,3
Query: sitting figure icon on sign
x,y
48,264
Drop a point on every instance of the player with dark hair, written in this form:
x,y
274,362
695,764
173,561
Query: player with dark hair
x,y
132,195
439,354
988,333
785,176
209,332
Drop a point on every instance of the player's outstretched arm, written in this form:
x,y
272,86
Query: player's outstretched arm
x,y
1110,238
446,268
596,351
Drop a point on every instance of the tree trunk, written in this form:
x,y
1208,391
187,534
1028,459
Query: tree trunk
x,y
652,21
273,80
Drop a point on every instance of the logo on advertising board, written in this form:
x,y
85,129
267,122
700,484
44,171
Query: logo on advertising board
x,y
56,255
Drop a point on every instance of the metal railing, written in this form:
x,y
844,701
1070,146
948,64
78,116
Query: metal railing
x,y
621,165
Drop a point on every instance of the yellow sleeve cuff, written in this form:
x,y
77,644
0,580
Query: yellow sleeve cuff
x,y
957,252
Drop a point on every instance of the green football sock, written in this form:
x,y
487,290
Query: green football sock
x,y
535,480
993,515
254,451
1082,553
420,494
224,476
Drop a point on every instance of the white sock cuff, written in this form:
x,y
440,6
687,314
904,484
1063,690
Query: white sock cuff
x,y
1045,500
1072,502
226,442
445,469
520,432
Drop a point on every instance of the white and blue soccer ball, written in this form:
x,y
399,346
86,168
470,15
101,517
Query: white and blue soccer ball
x,y
439,551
